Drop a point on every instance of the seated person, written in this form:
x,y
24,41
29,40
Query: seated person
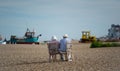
x,y
53,47
65,48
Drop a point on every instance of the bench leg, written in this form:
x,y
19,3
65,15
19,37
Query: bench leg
x,y
54,57
50,58
66,57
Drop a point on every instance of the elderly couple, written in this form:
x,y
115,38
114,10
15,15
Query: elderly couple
x,y
63,48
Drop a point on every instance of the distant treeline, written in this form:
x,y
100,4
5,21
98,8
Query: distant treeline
x,y
104,44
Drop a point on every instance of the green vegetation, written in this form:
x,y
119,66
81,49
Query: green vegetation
x,y
104,44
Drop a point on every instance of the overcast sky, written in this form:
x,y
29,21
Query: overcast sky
x,y
58,17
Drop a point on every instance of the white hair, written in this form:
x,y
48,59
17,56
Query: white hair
x,y
54,38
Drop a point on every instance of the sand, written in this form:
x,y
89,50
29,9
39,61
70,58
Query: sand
x,y
35,58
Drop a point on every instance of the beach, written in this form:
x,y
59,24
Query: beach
x,y
24,57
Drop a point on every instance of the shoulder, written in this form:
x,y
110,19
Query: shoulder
x,y
51,42
61,40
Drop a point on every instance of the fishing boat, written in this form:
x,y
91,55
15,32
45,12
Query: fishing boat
x,y
29,38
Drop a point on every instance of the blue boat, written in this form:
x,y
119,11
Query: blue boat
x,y
29,38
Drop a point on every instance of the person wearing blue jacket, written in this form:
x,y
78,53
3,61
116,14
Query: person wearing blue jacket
x,y
65,44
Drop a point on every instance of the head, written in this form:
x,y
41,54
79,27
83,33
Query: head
x,y
65,36
54,38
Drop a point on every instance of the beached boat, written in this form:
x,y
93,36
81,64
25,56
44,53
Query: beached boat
x,y
29,38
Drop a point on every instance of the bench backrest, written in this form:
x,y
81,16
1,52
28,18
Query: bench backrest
x,y
53,47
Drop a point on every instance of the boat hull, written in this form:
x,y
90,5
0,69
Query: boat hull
x,y
27,42
33,40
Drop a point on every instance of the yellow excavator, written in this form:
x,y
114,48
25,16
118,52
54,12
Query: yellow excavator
x,y
86,37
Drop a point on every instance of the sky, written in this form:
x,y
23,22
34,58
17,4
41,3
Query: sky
x,y
58,17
